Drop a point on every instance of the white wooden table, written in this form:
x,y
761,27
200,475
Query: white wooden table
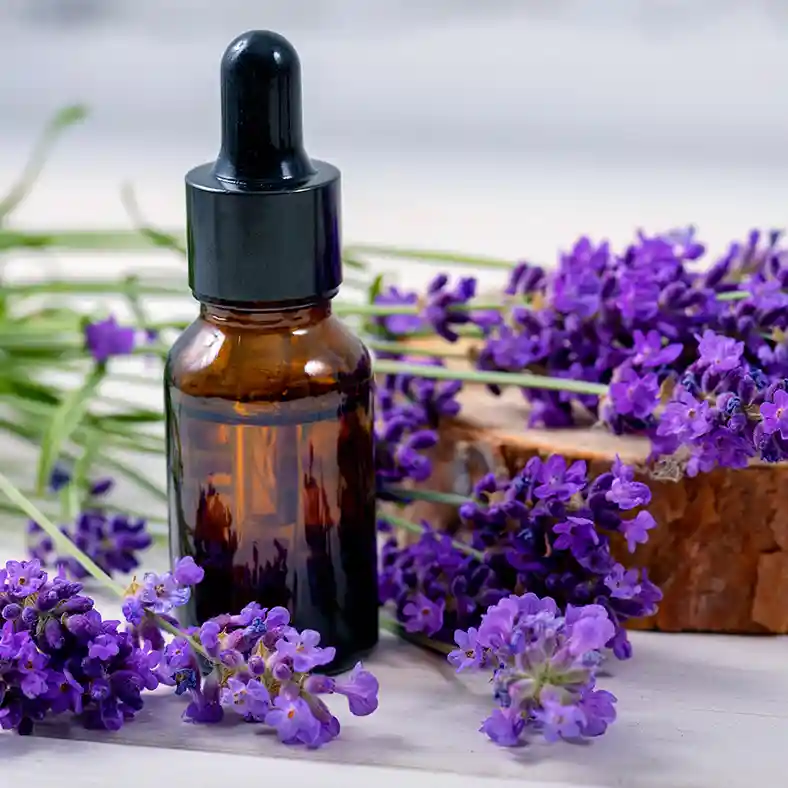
x,y
695,712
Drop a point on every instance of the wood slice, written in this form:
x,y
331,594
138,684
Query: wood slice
x,y
720,551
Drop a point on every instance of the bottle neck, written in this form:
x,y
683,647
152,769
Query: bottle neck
x,y
267,316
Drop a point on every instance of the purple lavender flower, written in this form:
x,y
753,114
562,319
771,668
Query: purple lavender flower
x,y
60,656
103,647
559,720
719,353
260,670
599,711
557,545
775,414
624,491
469,653
575,534
209,635
504,726
249,698
633,395
423,615
133,610
303,650
162,593
524,279
361,690
590,629
528,641
113,541
650,352
433,566
400,325
636,530
64,692
685,417
106,338
623,583
556,481
177,655
25,577
443,310
293,720
187,573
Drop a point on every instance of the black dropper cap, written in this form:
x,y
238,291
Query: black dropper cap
x,y
263,219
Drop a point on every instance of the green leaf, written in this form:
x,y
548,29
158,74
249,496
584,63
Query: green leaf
x,y
351,261
80,475
375,288
66,117
138,416
65,420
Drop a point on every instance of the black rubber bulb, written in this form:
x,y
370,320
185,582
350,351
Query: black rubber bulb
x,y
262,136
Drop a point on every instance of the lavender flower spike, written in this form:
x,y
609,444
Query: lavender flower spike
x,y
544,669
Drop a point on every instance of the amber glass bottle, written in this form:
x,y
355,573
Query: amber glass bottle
x,y
268,395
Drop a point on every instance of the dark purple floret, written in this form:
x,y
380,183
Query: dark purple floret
x,y
400,325
105,339
113,541
60,656
445,306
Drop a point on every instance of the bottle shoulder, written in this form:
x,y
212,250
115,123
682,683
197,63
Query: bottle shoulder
x,y
243,363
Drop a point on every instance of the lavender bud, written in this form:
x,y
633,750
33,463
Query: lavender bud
x,y
12,611
717,273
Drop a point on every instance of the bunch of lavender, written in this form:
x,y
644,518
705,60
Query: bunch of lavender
x,y
543,668
549,528
58,655
603,317
253,663
442,308
434,585
113,541
409,409
723,412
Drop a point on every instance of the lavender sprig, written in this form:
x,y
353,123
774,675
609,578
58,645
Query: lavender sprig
x,y
543,668
548,529
257,663
113,540
58,655
261,670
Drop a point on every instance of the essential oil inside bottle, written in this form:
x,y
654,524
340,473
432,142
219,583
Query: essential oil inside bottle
x,y
268,395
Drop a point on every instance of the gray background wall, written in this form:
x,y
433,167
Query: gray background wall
x,y
501,125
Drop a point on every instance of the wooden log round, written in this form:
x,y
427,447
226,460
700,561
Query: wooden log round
x,y
720,551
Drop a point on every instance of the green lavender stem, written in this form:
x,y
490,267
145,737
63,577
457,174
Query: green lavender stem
x,y
102,287
734,295
406,525
389,310
427,256
520,379
63,543
391,624
405,349
407,495
66,546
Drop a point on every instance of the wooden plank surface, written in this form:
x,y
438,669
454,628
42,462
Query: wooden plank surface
x,y
695,712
